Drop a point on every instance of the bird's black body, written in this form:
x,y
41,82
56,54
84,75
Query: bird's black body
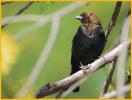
x,y
86,48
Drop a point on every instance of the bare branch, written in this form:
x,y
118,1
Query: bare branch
x,y
120,79
3,3
114,93
42,59
113,19
26,6
109,77
82,74
25,18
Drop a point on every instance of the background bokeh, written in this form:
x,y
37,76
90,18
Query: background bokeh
x,y
57,65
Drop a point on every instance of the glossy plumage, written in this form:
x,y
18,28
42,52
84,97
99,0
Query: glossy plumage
x,y
88,42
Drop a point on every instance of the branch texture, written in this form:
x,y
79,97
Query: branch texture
x,y
89,69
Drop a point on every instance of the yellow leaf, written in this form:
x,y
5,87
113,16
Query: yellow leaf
x,y
10,50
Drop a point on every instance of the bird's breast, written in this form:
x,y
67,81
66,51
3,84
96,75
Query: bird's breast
x,y
86,49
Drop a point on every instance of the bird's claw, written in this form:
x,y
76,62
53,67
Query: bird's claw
x,y
82,67
85,68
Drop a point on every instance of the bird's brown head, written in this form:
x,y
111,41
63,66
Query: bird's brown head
x,y
90,23
88,17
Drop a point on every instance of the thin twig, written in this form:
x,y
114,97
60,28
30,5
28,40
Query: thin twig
x,y
109,77
117,41
3,3
114,93
82,74
113,19
26,6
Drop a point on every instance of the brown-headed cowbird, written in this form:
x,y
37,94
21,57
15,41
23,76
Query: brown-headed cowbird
x,y
88,42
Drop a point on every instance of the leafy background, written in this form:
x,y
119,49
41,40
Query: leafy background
x,y
57,65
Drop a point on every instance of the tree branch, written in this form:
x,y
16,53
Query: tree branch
x,y
26,6
121,62
84,73
113,19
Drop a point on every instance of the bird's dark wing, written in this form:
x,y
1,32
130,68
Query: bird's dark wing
x,y
75,67
75,64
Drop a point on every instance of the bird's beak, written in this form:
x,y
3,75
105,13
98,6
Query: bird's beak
x,y
78,17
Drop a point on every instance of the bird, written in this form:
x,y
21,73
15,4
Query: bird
x,y
88,42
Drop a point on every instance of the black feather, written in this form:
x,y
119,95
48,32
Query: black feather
x,y
85,49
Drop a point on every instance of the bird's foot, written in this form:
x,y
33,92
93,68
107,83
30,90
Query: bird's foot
x,y
85,68
82,67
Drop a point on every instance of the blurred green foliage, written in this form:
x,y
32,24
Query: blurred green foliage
x,y
57,65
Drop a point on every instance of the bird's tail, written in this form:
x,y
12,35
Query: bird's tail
x,y
76,89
